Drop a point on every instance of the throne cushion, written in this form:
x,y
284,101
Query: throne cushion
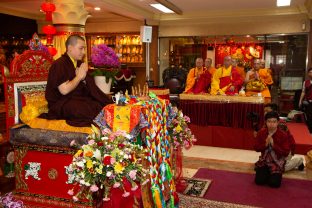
x,y
31,102
24,135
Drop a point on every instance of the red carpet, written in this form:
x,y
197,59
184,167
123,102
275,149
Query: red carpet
x,y
302,137
240,188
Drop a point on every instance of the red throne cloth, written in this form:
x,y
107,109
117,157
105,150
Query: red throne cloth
x,y
117,200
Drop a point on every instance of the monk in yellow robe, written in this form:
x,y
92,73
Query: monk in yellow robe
x,y
198,78
259,77
226,80
262,66
208,63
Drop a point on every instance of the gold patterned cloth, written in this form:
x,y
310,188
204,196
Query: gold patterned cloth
x,y
36,104
222,98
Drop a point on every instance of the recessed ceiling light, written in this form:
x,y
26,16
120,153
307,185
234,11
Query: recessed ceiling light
x,y
97,8
280,3
162,8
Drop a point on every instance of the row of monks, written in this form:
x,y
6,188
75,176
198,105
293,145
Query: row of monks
x,y
229,79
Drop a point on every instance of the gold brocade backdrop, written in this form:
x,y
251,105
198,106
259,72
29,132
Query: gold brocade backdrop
x,y
59,44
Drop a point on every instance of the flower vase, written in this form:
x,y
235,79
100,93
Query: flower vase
x,y
104,86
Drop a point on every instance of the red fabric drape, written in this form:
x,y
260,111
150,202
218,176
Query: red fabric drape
x,y
205,113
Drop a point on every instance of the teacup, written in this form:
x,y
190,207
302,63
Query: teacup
x,y
116,98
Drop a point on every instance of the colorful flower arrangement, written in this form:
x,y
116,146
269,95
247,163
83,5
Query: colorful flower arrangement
x,y
9,201
105,61
180,133
109,160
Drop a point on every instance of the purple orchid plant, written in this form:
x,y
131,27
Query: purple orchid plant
x,y
105,61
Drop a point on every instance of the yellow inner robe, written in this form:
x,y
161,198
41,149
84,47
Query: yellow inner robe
x,y
215,84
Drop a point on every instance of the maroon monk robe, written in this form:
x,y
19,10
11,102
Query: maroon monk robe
x,y
273,157
202,84
78,107
235,80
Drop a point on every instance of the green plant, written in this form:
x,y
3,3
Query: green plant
x,y
107,72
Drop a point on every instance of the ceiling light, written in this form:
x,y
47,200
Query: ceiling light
x,y
162,8
280,3
97,8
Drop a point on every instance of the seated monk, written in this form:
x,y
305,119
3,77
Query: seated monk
x,y
211,69
199,78
262,66
226,80
239,69
257,81
71,92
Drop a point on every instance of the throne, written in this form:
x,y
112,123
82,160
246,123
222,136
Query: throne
x,y
41,155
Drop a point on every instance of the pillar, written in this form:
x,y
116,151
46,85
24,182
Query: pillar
x,y
69,18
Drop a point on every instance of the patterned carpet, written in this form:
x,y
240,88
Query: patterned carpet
x,y
196,187
194,202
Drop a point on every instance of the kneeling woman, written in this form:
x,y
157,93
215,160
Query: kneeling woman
x,y
274,147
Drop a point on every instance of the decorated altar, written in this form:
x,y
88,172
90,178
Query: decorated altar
x,y
127,161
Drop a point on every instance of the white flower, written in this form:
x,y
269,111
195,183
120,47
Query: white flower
x,y
128,136
80,164
126,156
104,138
72,143
109,173
97,154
